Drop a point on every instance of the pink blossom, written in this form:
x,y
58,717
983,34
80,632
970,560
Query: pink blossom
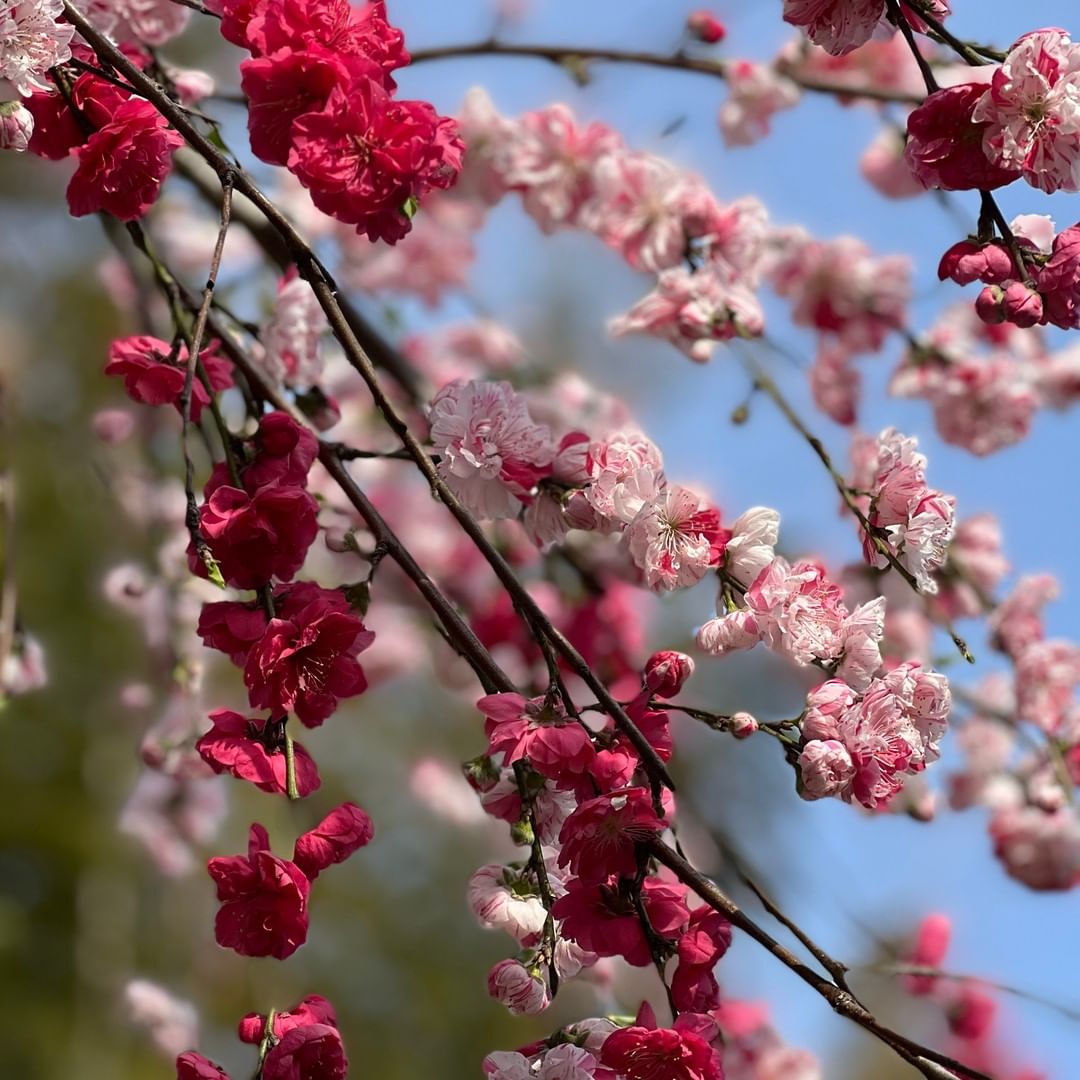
x,y
32,40
835,383
706,27
928,950
752,544
613,465
172,1023
731,632
1016,623
290,337
16,126
884,166
756,93
693,310
1041,850
743,725
1059,280
825,704
1047,677
523,993
490,141
551,163
675,539
838,26
825,768
135,22
491,451
667,672
645,1052
562,505
498,899
1032,111
539,730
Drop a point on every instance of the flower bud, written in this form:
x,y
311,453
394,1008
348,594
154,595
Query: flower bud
x,y
706,27
743,725
966,262
1022,305
16,126
988,305
667,671
513,985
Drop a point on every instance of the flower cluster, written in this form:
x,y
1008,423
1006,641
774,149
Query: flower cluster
x,y
303,1042
321,102
839,26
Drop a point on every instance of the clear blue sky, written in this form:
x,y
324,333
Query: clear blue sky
x,y
883,871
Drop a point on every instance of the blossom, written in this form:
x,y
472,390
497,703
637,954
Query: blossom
x,y
264,900
172,1023
135,22
365,155
1032,111
645,1052
123,164
602,916
621,467
306,661
284,453
555,745
522,992
1039,849
599,838
314,1009
838,26
154,373
825,768
756,93
705,26
490,450
551,161
193,1066
750,548
1016,622
884,166
16,126
835,383
498,899
32,40
702,944
675,538
342,832
928,950
257,537
1059,280
308,1052
693,309
946,145
254,750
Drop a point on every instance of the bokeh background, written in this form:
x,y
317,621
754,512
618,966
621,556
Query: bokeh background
x,y
82,909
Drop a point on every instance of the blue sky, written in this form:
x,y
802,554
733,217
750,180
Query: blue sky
x,y
882,871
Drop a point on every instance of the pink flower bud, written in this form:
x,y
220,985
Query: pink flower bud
x,y
743,725
511,984
192,85
972,1014
988,305
706,27
966,262
667,671
113,425
1022,306
16,126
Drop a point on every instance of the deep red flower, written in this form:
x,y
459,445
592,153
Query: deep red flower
x,y
1059,280
264,910
284,453
123,164
602,917
311,1052
56,130
333,840
314,1009
598,839
254,750
153,375
306,662
365,155
256,537
641,1053
707,937
193,1066
945,145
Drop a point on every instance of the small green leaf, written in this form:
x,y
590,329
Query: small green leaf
x,y
412,204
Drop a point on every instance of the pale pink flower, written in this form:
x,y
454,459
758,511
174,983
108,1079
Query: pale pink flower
x,y
551,162
752,544
290,338
507,1065
736,239
134,22
192,84
503,899
563,505
693,310
445,792
1047,677
1040,850
825,768
434,259
860,636
32,40
513,985
756,93
675,539
491,451
825,704
567,1062
835,383
840,288
1032,111
883,63
647,209
489,140
16,126
838,26
976,553
171,1023
1016,623
613,465
467,350
731,632
885,168
743,725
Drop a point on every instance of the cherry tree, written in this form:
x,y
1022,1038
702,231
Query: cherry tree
x,y
359,499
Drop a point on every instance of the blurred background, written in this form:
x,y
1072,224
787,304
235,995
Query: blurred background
x,y
393,945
